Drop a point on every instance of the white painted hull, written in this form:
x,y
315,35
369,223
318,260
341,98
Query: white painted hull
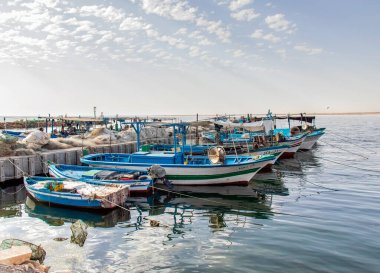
x,y
309,142
195,176
294,147
275,152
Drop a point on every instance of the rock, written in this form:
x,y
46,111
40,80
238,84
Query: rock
x,y
60,239
37,266
154,223
26,267
38,253
15,255
79,232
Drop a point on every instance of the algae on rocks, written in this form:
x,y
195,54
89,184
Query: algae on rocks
x,y
79,232
38,253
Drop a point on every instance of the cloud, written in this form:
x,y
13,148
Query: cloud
x,y
282,53
214,27
259,34
278,22
180,10
237,4
177,10
134,23
245,15
109,13
238,53
308,50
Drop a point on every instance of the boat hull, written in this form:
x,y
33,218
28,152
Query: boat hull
x,y
310,140
295,145
137,188
182,174
75,200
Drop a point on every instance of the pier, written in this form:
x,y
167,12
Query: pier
x,y
15,167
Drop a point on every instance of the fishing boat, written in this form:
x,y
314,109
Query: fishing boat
x,y
18,134
305,125
76,193
295,143
58,216
139,181
311,139
214,169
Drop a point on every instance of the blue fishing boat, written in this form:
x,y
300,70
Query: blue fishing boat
x,y
306,125
214,169
18,134
59,215
247,148
139,181
76,193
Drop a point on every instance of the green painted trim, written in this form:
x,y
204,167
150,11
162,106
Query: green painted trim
x,y
209,176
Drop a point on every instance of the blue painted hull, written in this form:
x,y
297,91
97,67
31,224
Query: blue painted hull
x,y
79,172
45,195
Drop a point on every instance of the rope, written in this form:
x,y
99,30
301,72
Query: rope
x,y
124,208
12,193
191,196
345,138
228,205
23,173
362,169
317,185
343,149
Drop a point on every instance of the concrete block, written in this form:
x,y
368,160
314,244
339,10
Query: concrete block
x,y
17,167
79,154
15,255
2,171
32,165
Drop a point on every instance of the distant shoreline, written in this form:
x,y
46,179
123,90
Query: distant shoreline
x,y
212,115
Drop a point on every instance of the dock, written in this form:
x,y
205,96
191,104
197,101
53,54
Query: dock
x,y
15,167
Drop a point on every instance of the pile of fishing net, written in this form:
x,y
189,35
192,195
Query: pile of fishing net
x,y
147,133
10,146
36,139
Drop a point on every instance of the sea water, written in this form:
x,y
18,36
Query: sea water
x,y
318,212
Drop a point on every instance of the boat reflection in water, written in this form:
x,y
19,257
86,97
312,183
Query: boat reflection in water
x,y
269,184
57,216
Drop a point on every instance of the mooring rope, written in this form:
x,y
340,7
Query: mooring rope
x,y
343,164
23,173
124,208
345,138
232,207
317,185
12,193
343,149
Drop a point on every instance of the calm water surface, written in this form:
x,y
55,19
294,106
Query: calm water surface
x,y
309,215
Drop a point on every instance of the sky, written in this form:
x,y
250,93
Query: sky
x,y
156,57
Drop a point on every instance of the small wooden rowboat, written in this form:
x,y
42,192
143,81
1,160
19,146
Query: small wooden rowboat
x,y
76,193
139,181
